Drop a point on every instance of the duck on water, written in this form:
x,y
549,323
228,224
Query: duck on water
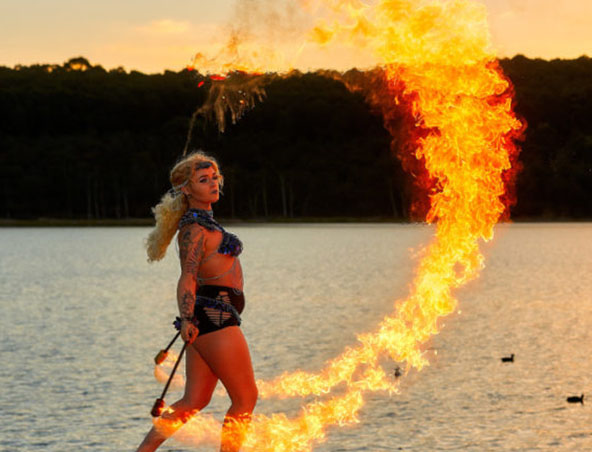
x,y
576,399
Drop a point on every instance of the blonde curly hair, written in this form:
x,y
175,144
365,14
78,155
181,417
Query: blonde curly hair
x,y
173,204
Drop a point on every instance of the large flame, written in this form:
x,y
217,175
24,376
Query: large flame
x,y
438,56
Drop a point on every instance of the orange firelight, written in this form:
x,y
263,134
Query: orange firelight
x,y
437,55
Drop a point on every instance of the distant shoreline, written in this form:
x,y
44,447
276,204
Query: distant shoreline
x,y
108,222
148,222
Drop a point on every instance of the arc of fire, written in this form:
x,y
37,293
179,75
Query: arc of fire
x,y
439,53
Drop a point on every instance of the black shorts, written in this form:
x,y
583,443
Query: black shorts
x,y
217,307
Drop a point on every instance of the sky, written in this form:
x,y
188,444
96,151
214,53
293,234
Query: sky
x,y
154,35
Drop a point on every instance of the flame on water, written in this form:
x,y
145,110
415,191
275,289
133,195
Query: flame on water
x,y
437,55
163,370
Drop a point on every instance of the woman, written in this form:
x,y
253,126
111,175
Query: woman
x,y
210,298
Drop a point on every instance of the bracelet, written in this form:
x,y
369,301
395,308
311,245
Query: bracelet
x,y
179,320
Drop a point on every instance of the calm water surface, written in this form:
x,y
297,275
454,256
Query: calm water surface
x,y
82,315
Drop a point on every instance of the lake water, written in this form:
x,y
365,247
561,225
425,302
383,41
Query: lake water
x,y
83,313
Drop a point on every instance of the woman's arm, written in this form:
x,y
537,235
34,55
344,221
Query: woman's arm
x,y
191,251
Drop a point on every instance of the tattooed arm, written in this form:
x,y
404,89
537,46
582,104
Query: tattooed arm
x,y
191,251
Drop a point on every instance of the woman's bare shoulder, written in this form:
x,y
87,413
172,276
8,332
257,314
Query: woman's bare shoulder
x,y
191,233
192,240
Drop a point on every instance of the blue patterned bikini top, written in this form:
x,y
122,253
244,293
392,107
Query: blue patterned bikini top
x,y
230,245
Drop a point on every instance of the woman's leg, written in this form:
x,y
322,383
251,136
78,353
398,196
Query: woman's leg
x,y
200,383
227,354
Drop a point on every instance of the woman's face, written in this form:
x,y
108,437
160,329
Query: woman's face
x,y
204,185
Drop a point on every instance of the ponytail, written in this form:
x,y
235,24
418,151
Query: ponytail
x,y
167,214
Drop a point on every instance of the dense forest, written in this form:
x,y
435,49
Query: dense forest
x,y
80,142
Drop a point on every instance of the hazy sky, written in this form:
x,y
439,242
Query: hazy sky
x,y
153,35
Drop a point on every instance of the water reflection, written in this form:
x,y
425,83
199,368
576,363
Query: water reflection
x,y
83,314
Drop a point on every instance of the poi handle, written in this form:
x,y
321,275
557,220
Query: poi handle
x,y
159,404
161,355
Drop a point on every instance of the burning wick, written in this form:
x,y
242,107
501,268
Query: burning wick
x,y
162,355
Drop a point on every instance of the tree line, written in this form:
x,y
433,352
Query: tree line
x,y
78,141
